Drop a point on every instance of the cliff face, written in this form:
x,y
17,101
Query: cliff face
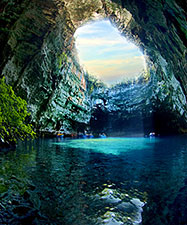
x,y
159,29
42,65
38,56
137,108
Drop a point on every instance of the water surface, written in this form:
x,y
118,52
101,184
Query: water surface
x,y
95,181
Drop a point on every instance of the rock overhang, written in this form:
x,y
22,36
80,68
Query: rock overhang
x,y
42,31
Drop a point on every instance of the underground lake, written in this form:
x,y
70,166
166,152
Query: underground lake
x,y
95,181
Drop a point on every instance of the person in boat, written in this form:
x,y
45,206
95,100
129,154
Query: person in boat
x,y
60,134
103,135
89,135
152,134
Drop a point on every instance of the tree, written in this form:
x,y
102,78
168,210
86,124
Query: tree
x,y
13,114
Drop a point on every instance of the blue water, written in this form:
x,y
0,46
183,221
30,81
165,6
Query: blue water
x,y
95,181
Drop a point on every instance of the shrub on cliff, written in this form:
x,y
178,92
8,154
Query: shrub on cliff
x,y
13,113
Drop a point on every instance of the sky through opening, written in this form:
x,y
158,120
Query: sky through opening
x,y
104,53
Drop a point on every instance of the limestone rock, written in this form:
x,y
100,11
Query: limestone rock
x,y
38,54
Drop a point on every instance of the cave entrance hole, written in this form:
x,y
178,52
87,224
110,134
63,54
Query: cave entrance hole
x,y
106,54
119,64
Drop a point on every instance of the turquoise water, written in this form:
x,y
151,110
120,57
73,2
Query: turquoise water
x,y
95,181
114,146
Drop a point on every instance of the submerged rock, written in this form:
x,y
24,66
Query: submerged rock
x,y
109,196
112,221
134,208
122,209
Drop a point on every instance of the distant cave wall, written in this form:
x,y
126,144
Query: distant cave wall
x,y
38,56
133,108
124,109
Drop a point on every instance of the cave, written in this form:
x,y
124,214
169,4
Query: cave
x,y
39,59
105,180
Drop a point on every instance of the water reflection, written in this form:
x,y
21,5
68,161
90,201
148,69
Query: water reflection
x,y
97,182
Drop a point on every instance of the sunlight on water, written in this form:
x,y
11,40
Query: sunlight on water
x,y
114,146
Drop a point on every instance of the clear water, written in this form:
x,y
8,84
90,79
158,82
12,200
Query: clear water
x,y
96,181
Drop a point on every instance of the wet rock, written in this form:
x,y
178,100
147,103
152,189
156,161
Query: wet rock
x,y
109,196
134,208
112,221
122,209
137,202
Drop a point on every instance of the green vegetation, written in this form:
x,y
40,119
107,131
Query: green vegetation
x,y
62,58
13,114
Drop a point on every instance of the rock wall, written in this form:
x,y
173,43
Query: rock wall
x,y
138,108
159,29
123,110
38,56
43,67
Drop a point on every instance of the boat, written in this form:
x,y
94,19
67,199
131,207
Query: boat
x,y
61,135
102,135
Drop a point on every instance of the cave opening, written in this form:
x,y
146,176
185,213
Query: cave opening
x,y
117,69
106,54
